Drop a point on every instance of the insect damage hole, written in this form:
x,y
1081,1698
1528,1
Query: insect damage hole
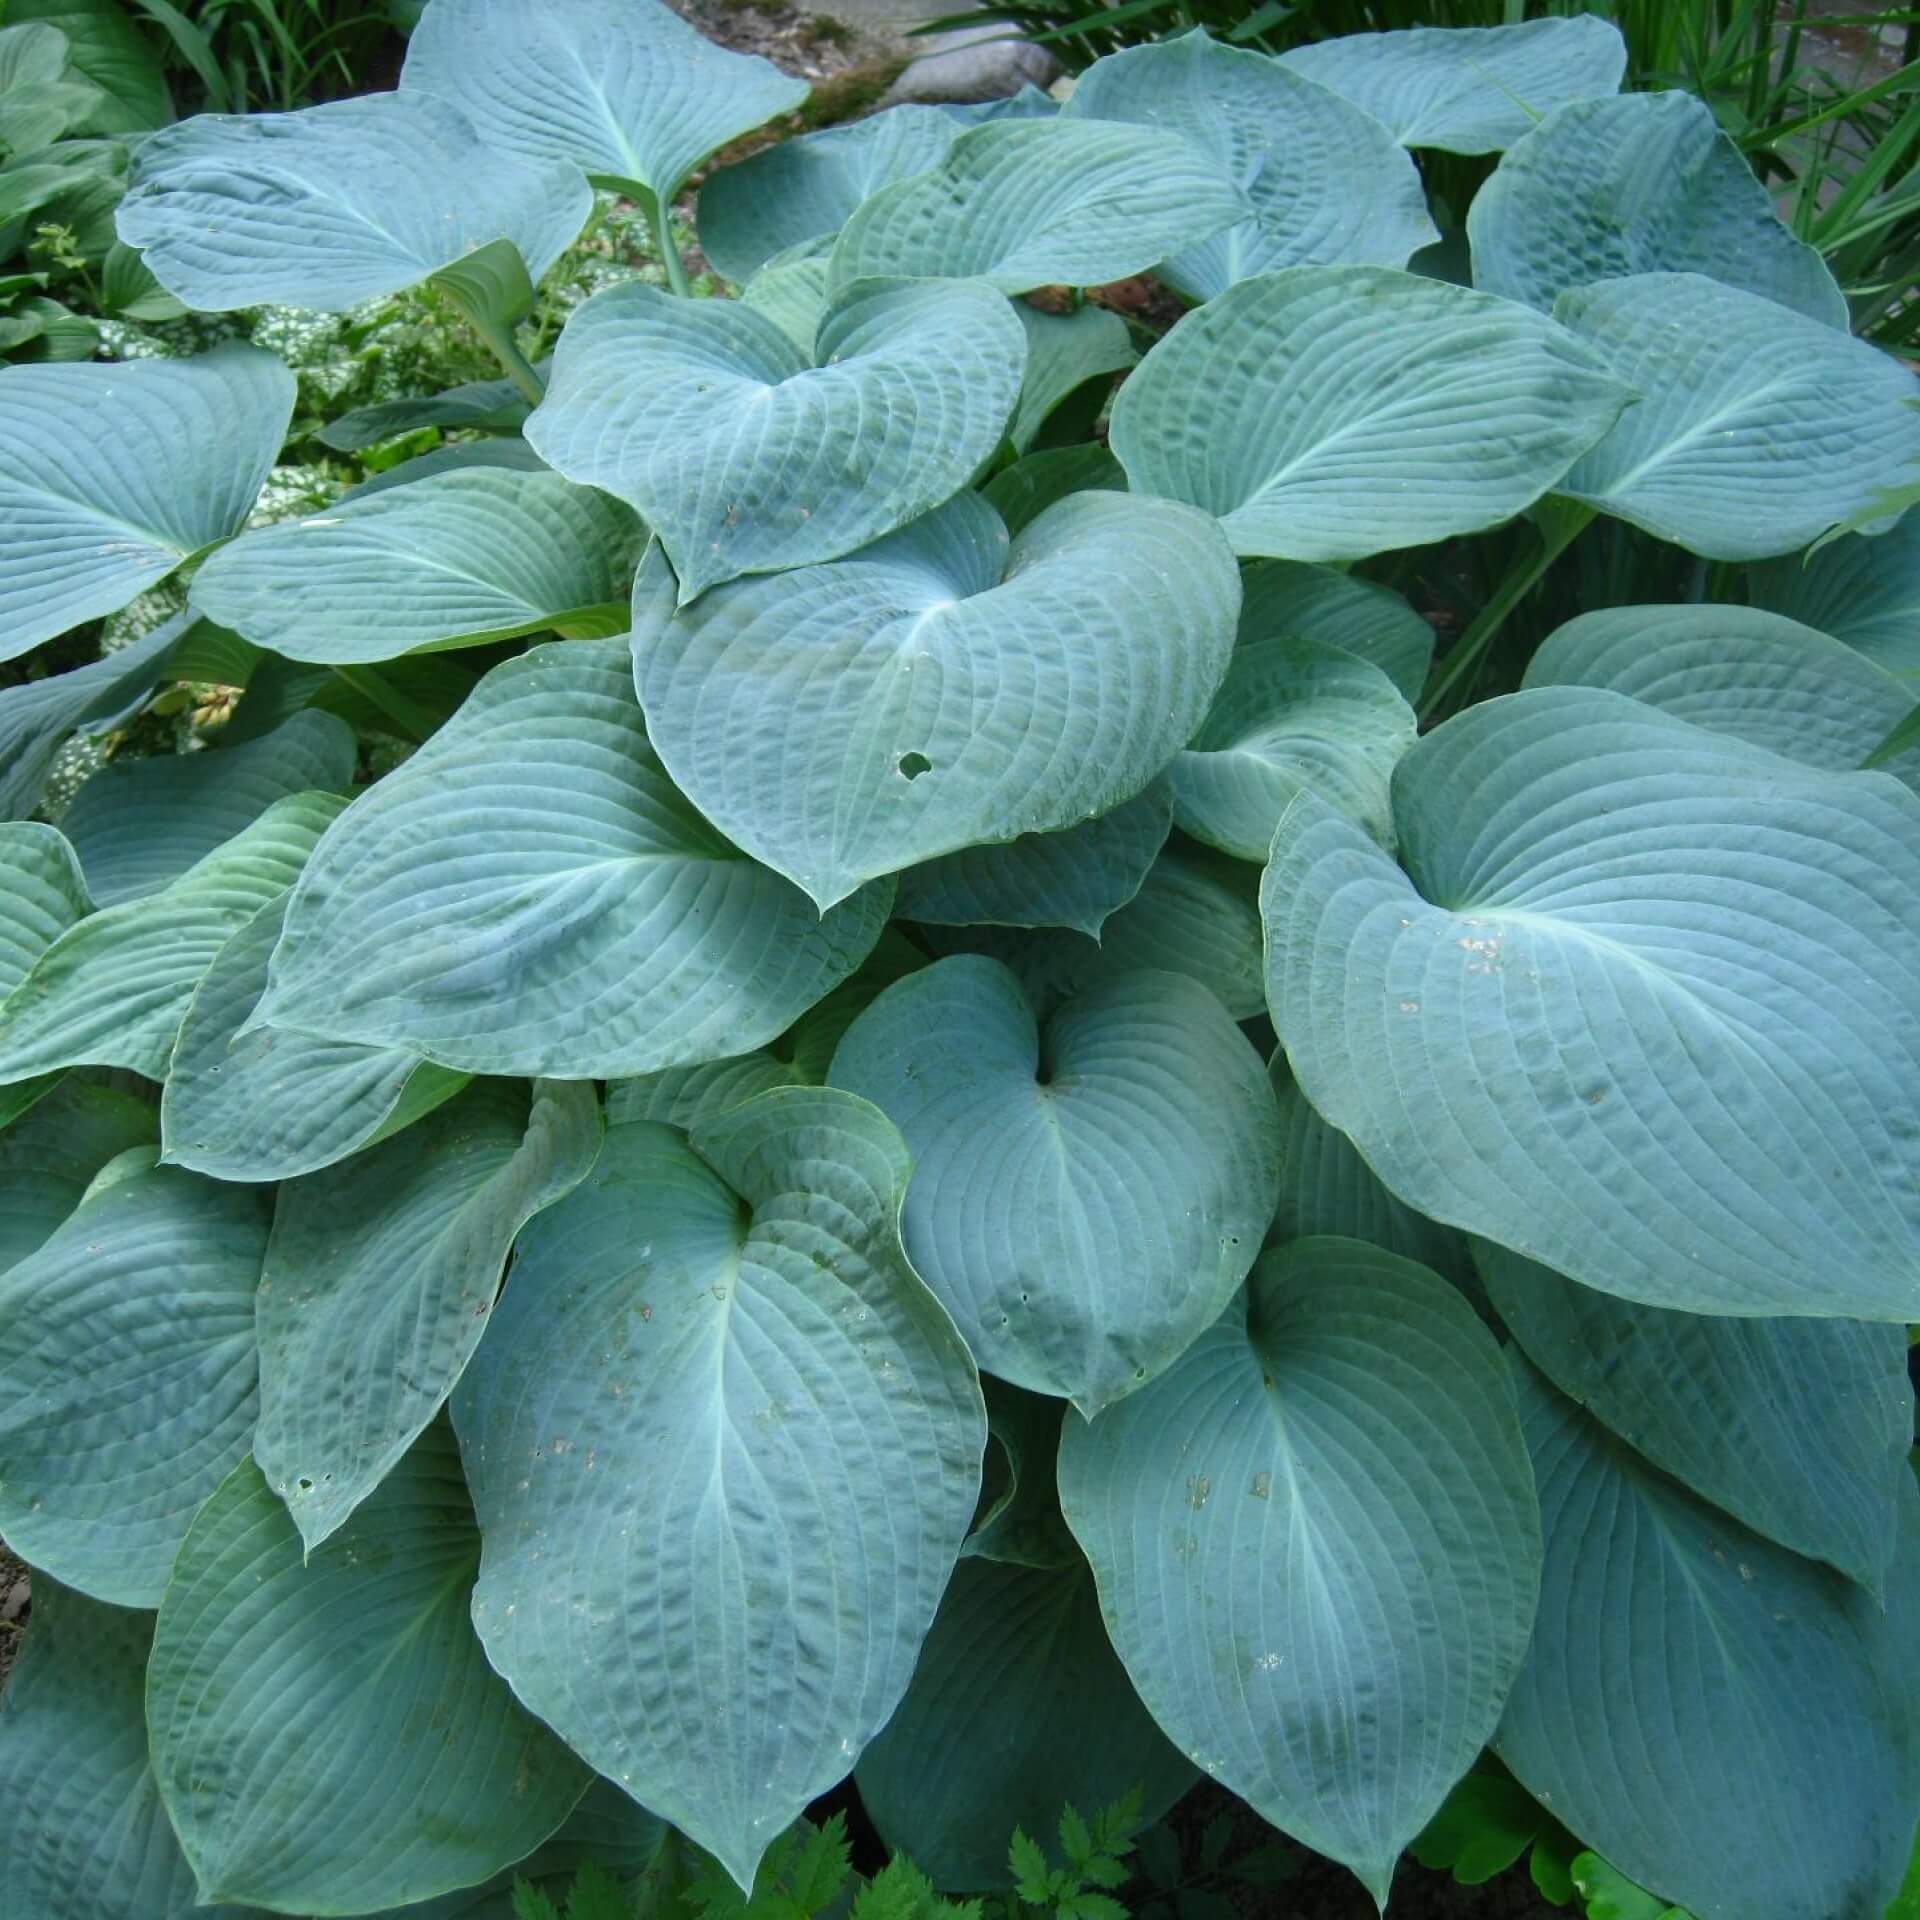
x,y
913,765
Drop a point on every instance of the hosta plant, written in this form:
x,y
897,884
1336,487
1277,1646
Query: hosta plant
x,y
949,1116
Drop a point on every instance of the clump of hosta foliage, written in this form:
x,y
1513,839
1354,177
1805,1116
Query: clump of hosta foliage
x,y
925,1136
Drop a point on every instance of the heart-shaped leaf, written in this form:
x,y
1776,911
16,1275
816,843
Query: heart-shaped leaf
x,y
584,920
1326,413
397,1765
1756,429
1317,1545
1800,1428
624,89
1291,714
128,1377
139,826
1862,590
365,1326
1640,183
1327,182
268,1104
1468,89
1035,203
1621,929
941,688
1737,670
746,456
1693,1689
716,1393
1087,1194
112,989
806,189
338,203
457,560
111,475
1017,1707
85,1835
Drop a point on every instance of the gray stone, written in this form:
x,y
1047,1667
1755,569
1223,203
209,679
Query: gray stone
x,y
977,69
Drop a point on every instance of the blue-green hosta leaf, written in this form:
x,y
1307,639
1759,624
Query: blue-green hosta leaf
x,y
1035,203
111,990
486,406
1756,429
456,560
1694,1689
1800,1428
1089,1191
128,1380
139,825
1291,714
1862,590
49,1156
107,48
1326,1188
395,1764
111,475
806,189
1468,89
42,893
338,203
505,452
684,1097
606,1829
1317,1545
380,1277
1326,413
942,688
37,717
791,291
1660,984
85,1837
1021,493
1326,181
748,456
1017,1706
1197,912
269,1104
624,89
40,97
582,919
1284,600
1738,670
1064,352
1638,183
1023,1527
717,1398
1030,103
1076,878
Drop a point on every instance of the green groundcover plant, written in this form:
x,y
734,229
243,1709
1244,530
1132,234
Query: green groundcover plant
x,y
918,1130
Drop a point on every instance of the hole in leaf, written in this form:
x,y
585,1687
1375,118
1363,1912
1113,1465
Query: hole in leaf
x,y
913,765
305,1485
